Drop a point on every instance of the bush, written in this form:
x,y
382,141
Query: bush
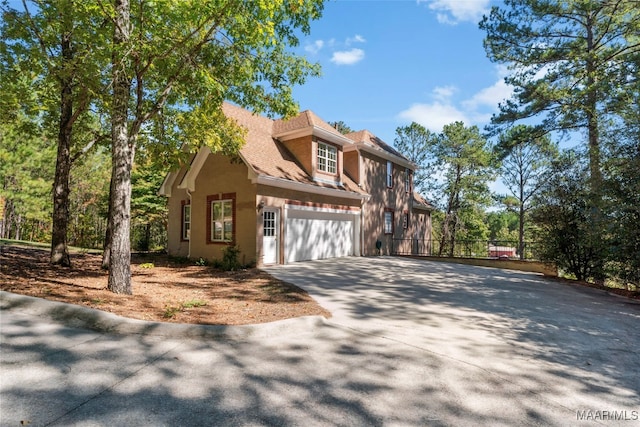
x,y
230,260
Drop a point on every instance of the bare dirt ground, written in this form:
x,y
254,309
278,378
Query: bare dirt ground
x,y
164,289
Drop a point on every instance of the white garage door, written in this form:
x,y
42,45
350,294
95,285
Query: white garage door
x,y
318,234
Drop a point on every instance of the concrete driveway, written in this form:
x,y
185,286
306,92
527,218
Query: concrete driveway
x,y
411,343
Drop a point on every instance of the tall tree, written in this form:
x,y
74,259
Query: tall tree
x,y
415,142
567,60
465,162
569,63
53,42
191,56
526,158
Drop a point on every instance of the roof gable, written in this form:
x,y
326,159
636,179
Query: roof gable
x,y
265,155
369,142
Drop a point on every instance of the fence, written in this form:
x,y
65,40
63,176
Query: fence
x,y
466,248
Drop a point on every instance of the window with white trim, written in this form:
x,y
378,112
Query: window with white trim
x,y
388,222
389,174
186,222
407,180
222,220
327,158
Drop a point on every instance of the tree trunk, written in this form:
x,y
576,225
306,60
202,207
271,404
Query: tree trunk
x,y
521,221
596,229
122,158
106,252
59,249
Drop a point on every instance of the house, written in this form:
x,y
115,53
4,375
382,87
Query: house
x,y
300,191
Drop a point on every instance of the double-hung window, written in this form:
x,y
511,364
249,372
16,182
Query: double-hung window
x,y
388,221
407,180
389,174
221,218
327,158
186,221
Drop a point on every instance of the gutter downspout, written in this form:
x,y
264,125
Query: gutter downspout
x,y
191,207
362,202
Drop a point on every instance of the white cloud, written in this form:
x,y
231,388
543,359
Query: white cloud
x,y
433,116
453,11
444,93
314,47
475,110
355,39
347,57
490,96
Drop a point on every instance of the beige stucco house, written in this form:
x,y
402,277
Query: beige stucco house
x,y
300,191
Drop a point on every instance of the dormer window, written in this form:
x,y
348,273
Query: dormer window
x,y
327,158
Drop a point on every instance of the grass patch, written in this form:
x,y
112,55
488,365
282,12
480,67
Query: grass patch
x,y
194,303
171,310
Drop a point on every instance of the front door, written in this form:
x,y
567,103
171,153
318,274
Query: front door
x,y
269,236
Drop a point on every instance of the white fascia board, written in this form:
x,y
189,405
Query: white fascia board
x,y
382,153
165,188
307,188
315,131
189,180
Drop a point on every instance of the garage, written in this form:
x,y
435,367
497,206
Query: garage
x,y
317,233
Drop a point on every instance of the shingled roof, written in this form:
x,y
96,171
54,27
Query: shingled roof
x,y
268,157
421,203
370,142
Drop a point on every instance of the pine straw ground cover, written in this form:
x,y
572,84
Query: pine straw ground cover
x,y
164,289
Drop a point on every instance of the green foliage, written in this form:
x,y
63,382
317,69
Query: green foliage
x,y
89,199
26,171
194,303
568,236
562,55
503,226
526,156
573,64
465,161
148,209
623,205
341,127
201,262
230,259
171,310
416,143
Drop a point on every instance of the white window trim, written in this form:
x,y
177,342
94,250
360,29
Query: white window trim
x,y
390,213
329,163
389,174
407,181
186,224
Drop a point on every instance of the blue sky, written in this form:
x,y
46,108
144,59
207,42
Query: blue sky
x,y
388,63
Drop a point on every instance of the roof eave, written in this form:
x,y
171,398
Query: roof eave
x,y
309,188
167,183
315,131
370,148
